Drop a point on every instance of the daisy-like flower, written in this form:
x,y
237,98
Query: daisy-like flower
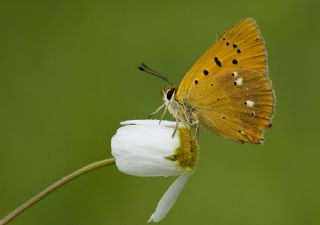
x,y
146,148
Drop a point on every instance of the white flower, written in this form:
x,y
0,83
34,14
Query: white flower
x,y
147,148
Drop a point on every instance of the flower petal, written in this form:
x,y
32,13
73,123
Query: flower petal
x,y
142,150
164,123
169,198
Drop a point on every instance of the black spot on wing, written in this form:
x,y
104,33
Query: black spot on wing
x,y
217,61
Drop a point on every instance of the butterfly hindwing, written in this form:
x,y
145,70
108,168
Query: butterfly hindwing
x,y
240,105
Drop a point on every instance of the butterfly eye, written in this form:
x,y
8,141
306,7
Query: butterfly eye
x,y
170,93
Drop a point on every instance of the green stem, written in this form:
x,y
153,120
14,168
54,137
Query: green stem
x,y
54,187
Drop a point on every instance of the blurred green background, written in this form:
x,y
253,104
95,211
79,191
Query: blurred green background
x,y
68,76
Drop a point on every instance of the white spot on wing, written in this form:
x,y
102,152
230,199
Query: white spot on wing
x,y
239,81
235,74
249,103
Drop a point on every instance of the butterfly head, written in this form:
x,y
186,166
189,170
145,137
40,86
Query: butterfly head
x,y
170,99
168,93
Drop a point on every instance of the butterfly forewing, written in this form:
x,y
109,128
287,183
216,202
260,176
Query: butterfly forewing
x,y
241,46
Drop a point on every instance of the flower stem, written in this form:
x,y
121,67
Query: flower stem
x,y
54,187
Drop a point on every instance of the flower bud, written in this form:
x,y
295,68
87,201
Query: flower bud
x,y
147,148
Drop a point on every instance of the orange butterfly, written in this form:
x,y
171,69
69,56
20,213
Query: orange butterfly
x,y
228,91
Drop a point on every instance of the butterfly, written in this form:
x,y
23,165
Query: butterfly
x,y
228,91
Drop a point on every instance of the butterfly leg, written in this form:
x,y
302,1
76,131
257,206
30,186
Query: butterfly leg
x,y
195,124
196,133
164,113
176,128
156,111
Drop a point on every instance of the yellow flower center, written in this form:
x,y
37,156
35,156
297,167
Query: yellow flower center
x,y
186,155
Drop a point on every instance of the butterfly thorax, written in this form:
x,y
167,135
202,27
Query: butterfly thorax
x,y
182,111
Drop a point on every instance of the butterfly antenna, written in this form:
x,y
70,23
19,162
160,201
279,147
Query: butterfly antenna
x,y
143,67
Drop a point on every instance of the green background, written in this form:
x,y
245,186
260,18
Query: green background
x,y
68,76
